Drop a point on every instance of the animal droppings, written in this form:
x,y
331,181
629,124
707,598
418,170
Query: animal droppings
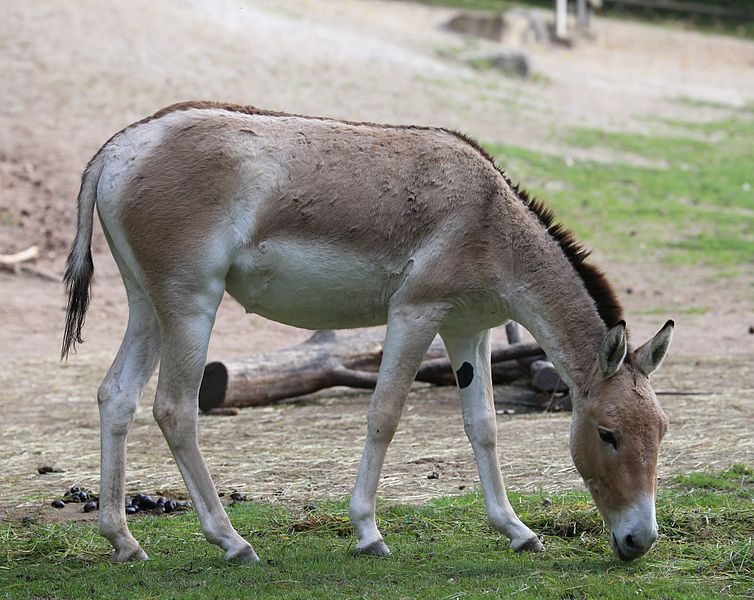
x,y
140,502
48,469
144,502
77,494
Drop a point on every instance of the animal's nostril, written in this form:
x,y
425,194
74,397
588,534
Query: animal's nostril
x,y
629,542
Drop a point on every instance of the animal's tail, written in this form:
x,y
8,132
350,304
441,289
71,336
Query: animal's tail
x,y
79,266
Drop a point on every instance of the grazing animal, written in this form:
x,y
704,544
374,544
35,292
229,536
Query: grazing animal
x,y
327,224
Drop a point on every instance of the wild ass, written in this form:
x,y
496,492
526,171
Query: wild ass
x,y
327,224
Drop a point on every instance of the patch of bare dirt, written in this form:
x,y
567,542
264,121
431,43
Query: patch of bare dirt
x,y
309,451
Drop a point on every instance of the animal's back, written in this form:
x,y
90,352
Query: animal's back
x,y
291,206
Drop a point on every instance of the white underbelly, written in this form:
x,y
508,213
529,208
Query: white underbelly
x,y
312,285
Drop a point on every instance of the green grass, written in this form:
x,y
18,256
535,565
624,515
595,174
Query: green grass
x,y
6,218
668,18
734,26
697,103
442,550
675,309
494,5
738,479
690,202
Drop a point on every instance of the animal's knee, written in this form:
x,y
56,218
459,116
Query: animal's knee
x,y
172,413
117,407
381,427
164,411
110,392
481,431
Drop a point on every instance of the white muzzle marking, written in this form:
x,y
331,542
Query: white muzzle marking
x,y
634,531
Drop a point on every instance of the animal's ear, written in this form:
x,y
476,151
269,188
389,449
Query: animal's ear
x,y
649,357
612,351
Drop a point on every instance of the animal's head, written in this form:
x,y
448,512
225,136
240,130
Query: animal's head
x,y
616,434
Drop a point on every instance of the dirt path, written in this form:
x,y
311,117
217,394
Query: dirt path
x,y
76,71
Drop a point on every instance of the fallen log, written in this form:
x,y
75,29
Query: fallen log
x,y
544,375
328,359
11,260
14,262
438,370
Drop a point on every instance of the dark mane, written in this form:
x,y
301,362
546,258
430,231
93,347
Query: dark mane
x,y
594,280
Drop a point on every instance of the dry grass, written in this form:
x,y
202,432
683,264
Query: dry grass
x,y
308,451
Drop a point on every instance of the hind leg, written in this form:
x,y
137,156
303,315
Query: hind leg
x,y
186,337
470,357
118,397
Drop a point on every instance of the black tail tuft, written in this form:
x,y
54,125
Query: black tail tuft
x,y
78,280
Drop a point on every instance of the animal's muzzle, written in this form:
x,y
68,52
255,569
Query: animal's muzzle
x,y
630,547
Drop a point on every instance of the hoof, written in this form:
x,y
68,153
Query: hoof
x,y
244,555
378,548
531,545
130,555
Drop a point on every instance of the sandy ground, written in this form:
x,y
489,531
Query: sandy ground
x,y
74,72
308,451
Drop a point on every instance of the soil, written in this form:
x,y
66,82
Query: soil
x,y
308,451
74,72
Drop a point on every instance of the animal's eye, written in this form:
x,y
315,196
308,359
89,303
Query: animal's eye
x,y
608,437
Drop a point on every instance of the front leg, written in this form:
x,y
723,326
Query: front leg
x,y
470,357
410,331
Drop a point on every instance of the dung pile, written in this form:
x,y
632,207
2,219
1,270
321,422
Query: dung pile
x,y
140,502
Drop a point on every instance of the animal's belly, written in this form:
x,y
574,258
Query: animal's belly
x,y
312,285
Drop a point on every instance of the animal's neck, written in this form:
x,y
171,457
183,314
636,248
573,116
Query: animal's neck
x,y
562,317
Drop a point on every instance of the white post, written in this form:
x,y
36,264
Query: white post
x,y
561,15
582,12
